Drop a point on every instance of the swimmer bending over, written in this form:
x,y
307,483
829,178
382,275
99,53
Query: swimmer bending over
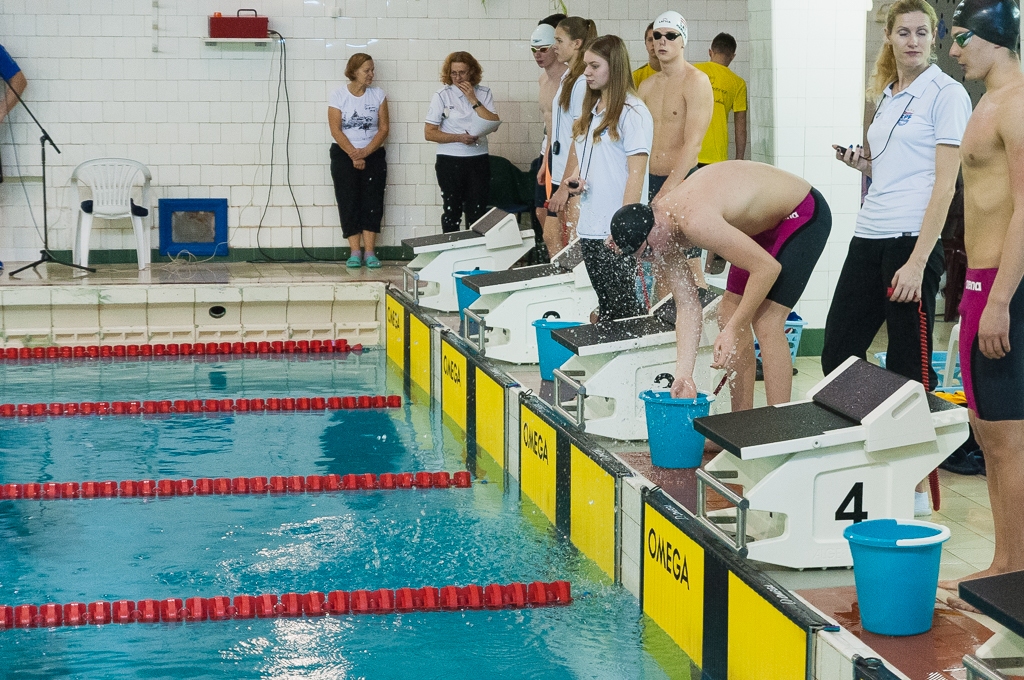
x,y
772,226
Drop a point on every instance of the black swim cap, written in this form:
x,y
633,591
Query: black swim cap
x,y
630,226
997,21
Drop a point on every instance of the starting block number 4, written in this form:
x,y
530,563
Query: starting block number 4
x,y
855,499
842,498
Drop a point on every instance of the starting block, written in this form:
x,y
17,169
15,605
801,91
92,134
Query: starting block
x,y
510,301
614,362
494,242
1002,598
853,451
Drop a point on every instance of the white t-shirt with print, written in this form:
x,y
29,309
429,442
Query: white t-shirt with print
x,y
360,116
933,110
452,113
603,166
561,122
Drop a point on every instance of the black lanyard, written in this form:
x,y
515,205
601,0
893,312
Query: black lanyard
x,y
894,126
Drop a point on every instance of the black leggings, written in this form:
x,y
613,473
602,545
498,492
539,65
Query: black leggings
x,y
360,193
465,183
614,279
860,306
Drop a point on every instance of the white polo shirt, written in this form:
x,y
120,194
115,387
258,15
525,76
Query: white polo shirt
x,y
603,166
452,113
932,111
561,122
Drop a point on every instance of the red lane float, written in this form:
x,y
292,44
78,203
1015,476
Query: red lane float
x,y
224,486
133,408
175,349
270,605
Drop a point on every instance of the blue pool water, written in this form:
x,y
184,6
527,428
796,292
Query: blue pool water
x,y
109,549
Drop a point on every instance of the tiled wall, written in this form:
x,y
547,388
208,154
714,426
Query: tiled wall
x,y
134,78
816,91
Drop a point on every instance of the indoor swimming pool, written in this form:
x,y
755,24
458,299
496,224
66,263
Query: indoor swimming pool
x,y
136,548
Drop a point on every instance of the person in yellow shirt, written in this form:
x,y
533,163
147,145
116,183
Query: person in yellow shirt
x,y
730,95
653,65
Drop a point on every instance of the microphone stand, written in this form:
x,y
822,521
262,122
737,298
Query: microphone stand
x,y
45,256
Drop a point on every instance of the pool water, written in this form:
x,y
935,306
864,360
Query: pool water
x,y
109,549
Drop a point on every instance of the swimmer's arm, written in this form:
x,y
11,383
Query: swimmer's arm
x,y
689,323
717,235
994,327
558,199
700,104
740,125
907,280
637,165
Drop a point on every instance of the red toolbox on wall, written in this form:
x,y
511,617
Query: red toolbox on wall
x,y
238,26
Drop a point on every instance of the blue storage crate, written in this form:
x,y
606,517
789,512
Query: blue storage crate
x,y
794,328
938,364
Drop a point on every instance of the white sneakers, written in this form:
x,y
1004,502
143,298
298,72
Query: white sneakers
x,y
922,505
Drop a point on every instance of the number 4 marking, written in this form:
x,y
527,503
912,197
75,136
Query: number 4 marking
x,y
856,496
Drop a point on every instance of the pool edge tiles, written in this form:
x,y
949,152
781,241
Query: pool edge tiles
x,y
42,315
551,487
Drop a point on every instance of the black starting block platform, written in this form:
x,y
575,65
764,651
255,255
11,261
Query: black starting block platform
x,y
561,264
440,239
1000,597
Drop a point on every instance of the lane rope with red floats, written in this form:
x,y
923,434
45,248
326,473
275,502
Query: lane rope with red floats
x,y
223,486
179,349
167,406
266,606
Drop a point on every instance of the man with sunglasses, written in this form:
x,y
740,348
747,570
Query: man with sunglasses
x,y
550,76
986,43
681,101
772,226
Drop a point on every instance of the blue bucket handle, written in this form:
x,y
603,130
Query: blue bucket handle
x,y
551,314
666,377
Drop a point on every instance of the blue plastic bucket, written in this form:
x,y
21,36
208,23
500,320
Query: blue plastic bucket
x,y
551,353
673,441
463,294
896,567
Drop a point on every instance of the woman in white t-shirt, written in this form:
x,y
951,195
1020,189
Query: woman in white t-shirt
x,y
607,168
457,112
571,35
913,160
358,117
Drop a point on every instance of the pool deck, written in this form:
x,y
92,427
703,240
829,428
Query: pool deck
x,y
964,508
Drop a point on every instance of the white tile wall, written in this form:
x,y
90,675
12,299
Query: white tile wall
x,y
106,82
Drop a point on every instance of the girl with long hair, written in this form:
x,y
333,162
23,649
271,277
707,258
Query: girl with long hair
x,y
607,168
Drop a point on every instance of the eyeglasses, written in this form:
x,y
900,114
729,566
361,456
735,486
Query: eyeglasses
x,y
670,36
459,74
963,38
540,50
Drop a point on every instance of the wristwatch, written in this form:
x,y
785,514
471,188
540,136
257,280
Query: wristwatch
x,y
477,105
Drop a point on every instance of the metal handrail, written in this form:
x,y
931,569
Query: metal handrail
x,y
414,293
560,377
704,480
977,669
481,321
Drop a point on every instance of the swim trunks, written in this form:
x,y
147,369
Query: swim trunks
x,y
796,243
994,387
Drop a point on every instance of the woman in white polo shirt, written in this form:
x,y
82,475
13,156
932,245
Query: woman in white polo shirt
x,y
358,118
607,167
912,159
462,167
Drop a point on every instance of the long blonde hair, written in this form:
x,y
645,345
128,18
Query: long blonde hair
x,y
584,30
612,49
884,72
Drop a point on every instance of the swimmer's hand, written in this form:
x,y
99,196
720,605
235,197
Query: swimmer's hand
x,y
684,388
558,199
725,348
994,330
906,283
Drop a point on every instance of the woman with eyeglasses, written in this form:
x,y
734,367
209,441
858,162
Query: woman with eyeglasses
x,y
358,118
892,270
572,35
607,168
462,166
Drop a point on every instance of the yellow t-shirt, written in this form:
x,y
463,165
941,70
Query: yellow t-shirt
x,y
730,95
642,74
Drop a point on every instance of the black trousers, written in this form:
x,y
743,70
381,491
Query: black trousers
x,y
360,193
860,307
465,183
614,279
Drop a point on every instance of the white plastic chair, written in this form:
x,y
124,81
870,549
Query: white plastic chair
x,y
111,181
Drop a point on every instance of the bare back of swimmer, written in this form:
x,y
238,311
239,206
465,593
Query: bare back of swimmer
x,y
772,226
